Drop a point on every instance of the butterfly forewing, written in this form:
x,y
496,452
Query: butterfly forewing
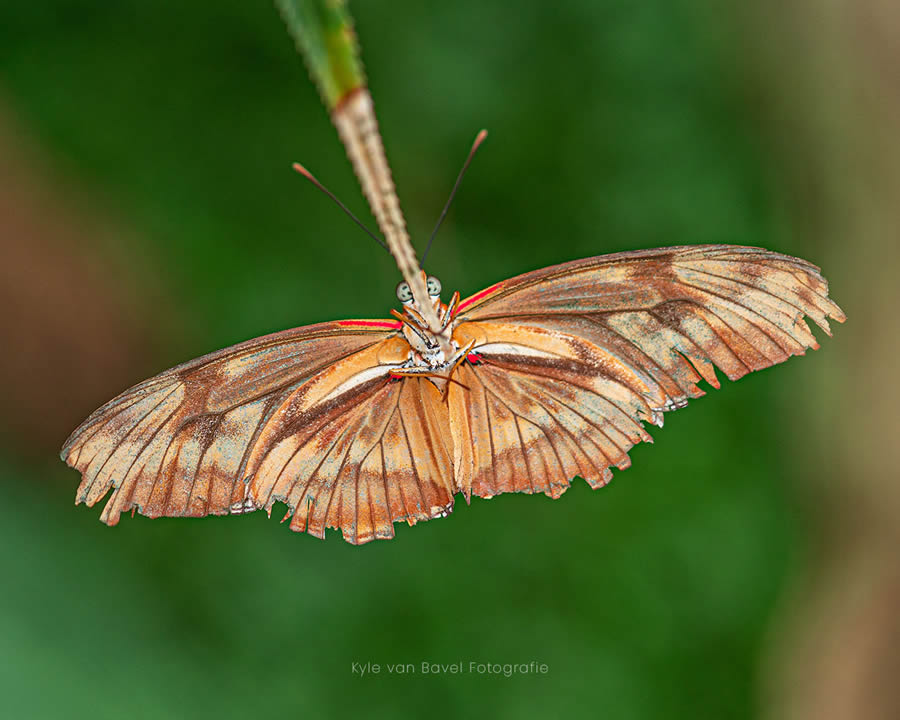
x,y
739,308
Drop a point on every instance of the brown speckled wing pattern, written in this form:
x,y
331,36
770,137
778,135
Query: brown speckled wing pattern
x,y
629,336
359,463
178,444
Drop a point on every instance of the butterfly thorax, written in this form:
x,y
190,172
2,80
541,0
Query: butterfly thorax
x,y
434,353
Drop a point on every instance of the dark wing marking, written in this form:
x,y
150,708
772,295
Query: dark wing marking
x,y
359,460
663,318
178,444
674,312
542,408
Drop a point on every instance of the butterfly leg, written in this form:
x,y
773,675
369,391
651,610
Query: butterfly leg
x,y
450,311
441,376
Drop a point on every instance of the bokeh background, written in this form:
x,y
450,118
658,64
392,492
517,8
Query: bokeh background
x,y
745,566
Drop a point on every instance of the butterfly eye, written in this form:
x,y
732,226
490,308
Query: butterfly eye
x,y
434,286
404,294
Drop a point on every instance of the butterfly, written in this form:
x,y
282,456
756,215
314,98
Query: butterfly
x,y
536,380
358,424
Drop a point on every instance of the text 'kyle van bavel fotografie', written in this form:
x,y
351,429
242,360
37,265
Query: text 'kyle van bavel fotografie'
x,y
472,667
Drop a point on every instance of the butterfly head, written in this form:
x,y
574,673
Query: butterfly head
x,y
433,353
432,284
436,345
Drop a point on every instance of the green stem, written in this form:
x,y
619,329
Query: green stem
x,y
323,33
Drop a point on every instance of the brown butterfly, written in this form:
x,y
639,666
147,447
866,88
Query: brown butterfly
x,y
358,424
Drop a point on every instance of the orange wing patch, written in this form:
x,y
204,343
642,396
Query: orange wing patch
x,y
543,407
356,450
360,463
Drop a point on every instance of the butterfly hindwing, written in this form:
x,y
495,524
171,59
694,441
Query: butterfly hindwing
x,y
540,407
356,449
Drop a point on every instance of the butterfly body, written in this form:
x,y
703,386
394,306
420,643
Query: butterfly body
x,y
434,353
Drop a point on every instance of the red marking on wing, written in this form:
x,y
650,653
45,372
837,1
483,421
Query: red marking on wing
x,y
392,324
477,296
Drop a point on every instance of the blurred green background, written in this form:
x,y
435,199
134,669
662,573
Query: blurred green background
x,y
148,214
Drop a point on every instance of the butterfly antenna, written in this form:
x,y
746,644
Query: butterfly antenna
x,y
478,140
309,176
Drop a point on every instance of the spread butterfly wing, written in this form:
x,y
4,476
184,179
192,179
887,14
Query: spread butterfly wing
x,y
540,407
355,451
181,443
576,354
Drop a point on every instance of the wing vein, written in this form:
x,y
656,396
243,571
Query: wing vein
x,y
412,459
123,438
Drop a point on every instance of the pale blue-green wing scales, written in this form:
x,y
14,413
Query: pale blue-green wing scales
x,y
674,312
